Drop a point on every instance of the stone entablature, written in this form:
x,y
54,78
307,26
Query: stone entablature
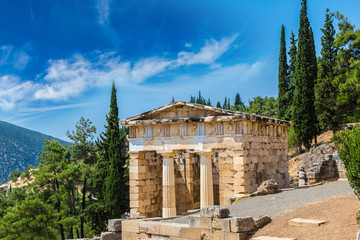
x,y
203,153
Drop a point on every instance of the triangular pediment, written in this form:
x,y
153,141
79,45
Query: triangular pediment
x,y
181,110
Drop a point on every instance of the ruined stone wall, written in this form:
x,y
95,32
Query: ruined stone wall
x,y
145,184
265,157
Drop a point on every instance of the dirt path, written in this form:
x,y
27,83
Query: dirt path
x,y
276,204
338,212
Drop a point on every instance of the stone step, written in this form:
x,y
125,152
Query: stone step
x,y
306,222
272,238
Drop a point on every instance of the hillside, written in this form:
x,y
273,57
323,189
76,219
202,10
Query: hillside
x,y
19,148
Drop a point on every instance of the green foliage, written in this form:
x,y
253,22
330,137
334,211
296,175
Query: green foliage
x,y
263,106
83,153
114,145
348,145
291,76
218,104
14,175
304,117
347,79
238,104
325,90
32,219
293,142
283,103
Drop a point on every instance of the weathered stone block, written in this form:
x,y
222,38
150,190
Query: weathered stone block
x,y
205,223
114,225
151,227
221,224
236,236
190,233
111,236
194,221
262,221
242,224
214,212
206,234
172,229
131,226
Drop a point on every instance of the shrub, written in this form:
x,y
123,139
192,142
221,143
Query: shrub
x,y
348,145
293,142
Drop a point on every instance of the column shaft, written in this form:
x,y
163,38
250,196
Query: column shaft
x,y
206,180
168,179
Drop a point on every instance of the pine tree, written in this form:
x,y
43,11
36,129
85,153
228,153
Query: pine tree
x,y
290,96
84,154
283,103
325,91
228,104
304,116
116,195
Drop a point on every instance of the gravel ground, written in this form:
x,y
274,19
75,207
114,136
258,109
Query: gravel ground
x,y
276,204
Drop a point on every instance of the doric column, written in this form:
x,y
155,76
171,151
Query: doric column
x,y
206,180
168,183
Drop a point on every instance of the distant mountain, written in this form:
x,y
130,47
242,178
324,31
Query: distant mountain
x,y
19,148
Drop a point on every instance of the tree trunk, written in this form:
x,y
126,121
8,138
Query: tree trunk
x,y
83,209
61,227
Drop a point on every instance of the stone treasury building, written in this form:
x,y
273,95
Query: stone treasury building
x,y
186,156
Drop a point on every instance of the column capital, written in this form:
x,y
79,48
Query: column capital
x,y
205,152
166,154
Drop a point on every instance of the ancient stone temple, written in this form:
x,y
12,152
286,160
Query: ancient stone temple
x,y
186,156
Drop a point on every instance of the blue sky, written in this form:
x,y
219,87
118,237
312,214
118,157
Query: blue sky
x,y
59,58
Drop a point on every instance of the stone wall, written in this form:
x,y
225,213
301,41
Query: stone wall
x,y
145,184
187,181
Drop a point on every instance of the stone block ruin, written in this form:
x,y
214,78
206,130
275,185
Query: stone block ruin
x,y
188,156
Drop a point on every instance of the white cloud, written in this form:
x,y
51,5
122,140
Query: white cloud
x,y
17,57
67,78
188,45
12,91
208,54
103,9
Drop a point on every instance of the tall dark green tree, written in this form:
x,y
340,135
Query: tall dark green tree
x,y
283,79
218,104
325,91
115,149
304,116
238,101
225,103
290,94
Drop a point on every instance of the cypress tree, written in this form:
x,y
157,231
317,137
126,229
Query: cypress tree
x,y
116,183
238,101
218,105
283,103
225,103
304,116
228,104
325,92
290,96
